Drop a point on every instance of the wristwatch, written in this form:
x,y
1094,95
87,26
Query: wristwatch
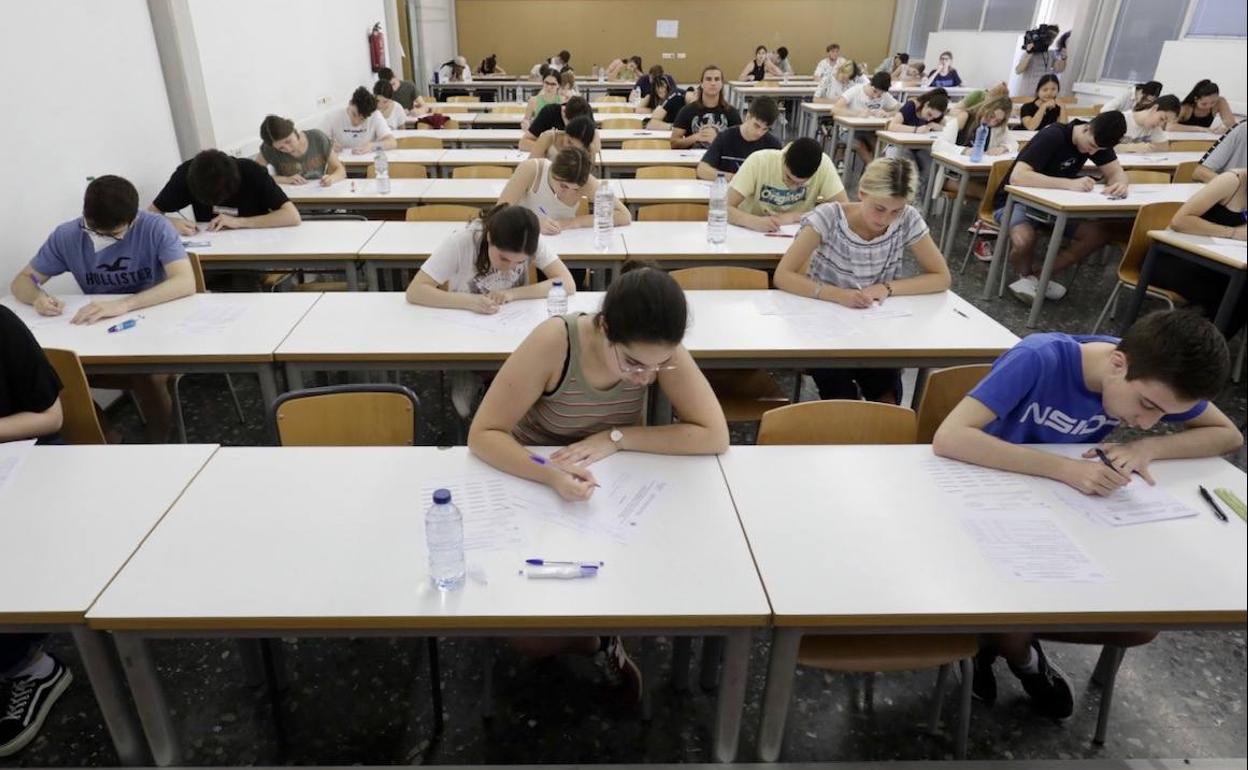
x,y
617,438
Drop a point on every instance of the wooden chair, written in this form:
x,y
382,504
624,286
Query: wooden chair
x,y
1190,145
482,172
420,143
674,212
613,99
866,422
618,123
1067,100
80,424
745,396
1083,112
666,172
451,108
347,415
1021,99
984,219
944,389
401,171
646,144
1185,172
509,109
460,99
1141,176
1154,216
442,212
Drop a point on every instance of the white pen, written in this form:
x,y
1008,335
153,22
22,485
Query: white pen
x,y
560,572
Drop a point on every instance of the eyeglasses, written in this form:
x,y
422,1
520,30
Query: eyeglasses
x,y
115,237
636,368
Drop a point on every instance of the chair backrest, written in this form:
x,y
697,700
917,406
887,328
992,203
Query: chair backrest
x,y
614,109
646,144
838,422
673,212
420,143
1068,100
447,109
666,172
944,389
79,424
348,415
1153,216
1084,112
605,99
197,271
509,109
1190,145
481,172
1141,176
996,177
1021,99
720,277
401,171
1185,172
454,99
618,123
442,212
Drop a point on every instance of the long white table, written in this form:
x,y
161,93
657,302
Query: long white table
x,y
509,137
72,525
199,333
322,246
922,572
1226,257
349,559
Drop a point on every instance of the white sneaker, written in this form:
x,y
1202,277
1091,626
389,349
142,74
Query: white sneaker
x,y
1053,290
464,388
1024,289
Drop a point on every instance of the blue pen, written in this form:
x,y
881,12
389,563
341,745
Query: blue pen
x,y
550,563
543,461
129,323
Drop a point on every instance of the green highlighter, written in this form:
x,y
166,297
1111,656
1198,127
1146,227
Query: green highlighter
x,y
1233,501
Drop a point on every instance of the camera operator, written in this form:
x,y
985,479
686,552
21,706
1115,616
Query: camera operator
x,y
1043,53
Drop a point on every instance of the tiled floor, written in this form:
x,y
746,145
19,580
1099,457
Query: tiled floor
x,y
366,700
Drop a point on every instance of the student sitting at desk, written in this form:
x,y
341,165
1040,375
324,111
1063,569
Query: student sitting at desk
x,y
1055,388
943,75
644,84
553,190
1146,128
580,132
1230,152
115,249
921,115
1139,97
1201,106
549,95
580,382
733,146
224,193
781,59
851,254
698,123
835,82
489,66
1054,159
758,68
871,100
298,157
958,134
663,101
830,62
390,110
1219,210
554,116
405,91
776,187
1044,110
360,128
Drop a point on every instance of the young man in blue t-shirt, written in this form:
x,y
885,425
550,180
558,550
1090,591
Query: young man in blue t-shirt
x,y
114,248
1071,389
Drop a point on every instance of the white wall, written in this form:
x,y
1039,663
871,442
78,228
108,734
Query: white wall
x,y
437,39
1183,62
981,58
297,58
87,77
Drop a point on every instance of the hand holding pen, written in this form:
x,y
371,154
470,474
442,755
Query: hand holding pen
x,y
45,304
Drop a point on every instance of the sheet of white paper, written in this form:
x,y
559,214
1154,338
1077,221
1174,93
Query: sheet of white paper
x,y
1136,503
881,311
981,489
783,303
71,303
615,511
1026,545
666,27
524,314
209,319
12,455
822,325
491,515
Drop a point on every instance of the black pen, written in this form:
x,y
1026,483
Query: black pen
x,y
1109,463
959,312
1209,499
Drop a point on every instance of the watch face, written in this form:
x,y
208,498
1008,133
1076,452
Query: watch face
x,y
617,436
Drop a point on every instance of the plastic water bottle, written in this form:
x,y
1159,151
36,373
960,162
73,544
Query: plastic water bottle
x,y
981,141
382,164
602,74
444,537
604,217
556,299
717,218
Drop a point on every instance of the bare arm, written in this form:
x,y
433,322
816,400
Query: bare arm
x,y
1023,61
745,73
179,282
1032,122
1204,174
555,271
24,288
1210,434
526,141
542,145
1225,113
680,141
334,169
26,425
1188,218
1025,176
841,108
530,109
709,173
521,179
285,216
738,217
424,290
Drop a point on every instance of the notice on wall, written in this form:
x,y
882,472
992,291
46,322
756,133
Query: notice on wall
x,y
666,28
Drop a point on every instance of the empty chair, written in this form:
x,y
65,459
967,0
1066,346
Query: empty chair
x,y
1185,172
420,143
1140,176
996,176
1190,145
80,423
646,144
442,212
944,389
1153,216
350,415
481,172
838,422
666,172
461,99
676,212
402,171
623,123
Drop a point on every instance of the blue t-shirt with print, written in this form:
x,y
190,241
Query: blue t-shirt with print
x,y
134,264
1037,392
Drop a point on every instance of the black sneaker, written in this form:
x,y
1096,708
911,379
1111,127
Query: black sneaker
x,y
26,702
984,681
1048,688
620,671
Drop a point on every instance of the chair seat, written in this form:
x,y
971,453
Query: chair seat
x,y
885,652
1131,277
745,395
321,286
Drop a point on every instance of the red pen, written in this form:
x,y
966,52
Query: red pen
x,y
778,235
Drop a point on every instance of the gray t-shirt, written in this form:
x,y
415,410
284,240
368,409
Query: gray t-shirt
x,y
1230,152
406,94
846,260
312,165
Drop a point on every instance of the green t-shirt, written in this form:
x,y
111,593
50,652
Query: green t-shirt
x,y
313,164
760,181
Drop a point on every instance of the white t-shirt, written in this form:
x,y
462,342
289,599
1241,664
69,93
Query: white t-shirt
x,y
856,99
1124,102
1137,134
348,136
826,67
397,118
453,262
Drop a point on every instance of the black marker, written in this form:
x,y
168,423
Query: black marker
x,y
1209,499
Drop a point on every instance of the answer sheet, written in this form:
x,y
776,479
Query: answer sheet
x,y
12,455
490,510
1028,546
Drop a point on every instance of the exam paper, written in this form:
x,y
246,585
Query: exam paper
x,y
209,319
71,303
975,488
522,314
615,511
1028,546
12,455
489,507
1136,503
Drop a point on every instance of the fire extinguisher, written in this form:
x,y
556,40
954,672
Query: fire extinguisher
x,y
377,47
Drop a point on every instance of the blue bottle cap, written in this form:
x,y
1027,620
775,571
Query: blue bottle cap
x,y
441,496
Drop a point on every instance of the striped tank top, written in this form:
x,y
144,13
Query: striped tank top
x,y
575,409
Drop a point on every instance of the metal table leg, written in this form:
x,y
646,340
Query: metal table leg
x,y
104,672
778,692
946,241
731,695
149,699
1046,272
998,253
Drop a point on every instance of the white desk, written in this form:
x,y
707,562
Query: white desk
x,y
492,106
1228,259
478,192
348,559
74,539
509,137
357,194
509,157
613,161
683,244
199,333
809,115
318,246
638,192
1064,205
423,157
923,573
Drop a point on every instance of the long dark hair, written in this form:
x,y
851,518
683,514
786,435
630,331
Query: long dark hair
x,y
1044,81
488,64
644,304
722,102
1202,89
511,228
937,98
572,165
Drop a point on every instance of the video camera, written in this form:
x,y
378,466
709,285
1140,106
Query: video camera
x,y
1040,39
